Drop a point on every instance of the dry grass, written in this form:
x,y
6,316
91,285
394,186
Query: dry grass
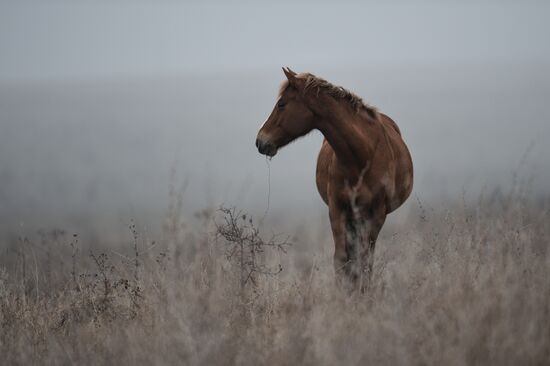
x,y
455,286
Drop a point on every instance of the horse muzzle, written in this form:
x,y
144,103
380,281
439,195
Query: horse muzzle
x,y
266,148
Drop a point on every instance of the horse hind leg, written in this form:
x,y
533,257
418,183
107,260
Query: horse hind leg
x,y
344,259
361,235
353,244
375,225
354,239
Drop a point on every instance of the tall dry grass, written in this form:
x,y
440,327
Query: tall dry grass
x,y
462,284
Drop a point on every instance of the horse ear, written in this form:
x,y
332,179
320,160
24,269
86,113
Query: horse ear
x,y
291,76
288,71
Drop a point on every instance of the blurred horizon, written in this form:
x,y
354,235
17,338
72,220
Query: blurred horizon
x,y
100,101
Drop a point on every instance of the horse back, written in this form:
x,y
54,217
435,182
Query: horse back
x,y
390,122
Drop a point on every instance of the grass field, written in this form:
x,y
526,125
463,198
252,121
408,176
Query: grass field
x,y
461,284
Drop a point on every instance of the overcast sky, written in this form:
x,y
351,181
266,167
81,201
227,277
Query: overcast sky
x,y
100,100
45,40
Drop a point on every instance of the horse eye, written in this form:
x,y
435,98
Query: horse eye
x,y
281,104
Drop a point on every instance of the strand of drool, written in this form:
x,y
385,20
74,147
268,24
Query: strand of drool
x,y
267,160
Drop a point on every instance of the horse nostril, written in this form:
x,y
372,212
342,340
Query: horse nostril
x,y
262,147
266,147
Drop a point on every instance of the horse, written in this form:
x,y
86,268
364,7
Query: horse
x,y
364,168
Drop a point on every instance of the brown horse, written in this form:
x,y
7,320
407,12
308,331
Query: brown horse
x,y
364,169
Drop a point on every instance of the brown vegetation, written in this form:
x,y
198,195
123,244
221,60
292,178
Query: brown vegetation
x,y
460,285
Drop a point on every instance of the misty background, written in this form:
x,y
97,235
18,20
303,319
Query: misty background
x,y
104,104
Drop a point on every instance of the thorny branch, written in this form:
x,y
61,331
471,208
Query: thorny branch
x,y
244,246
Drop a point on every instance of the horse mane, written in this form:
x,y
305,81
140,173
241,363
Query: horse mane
x,y
317,85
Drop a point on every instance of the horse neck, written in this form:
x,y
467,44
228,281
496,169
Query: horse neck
x,y
342,127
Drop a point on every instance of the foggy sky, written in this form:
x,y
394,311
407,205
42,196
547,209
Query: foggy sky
x,y
45,40
99,101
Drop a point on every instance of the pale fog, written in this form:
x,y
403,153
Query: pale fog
x,y
106,105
